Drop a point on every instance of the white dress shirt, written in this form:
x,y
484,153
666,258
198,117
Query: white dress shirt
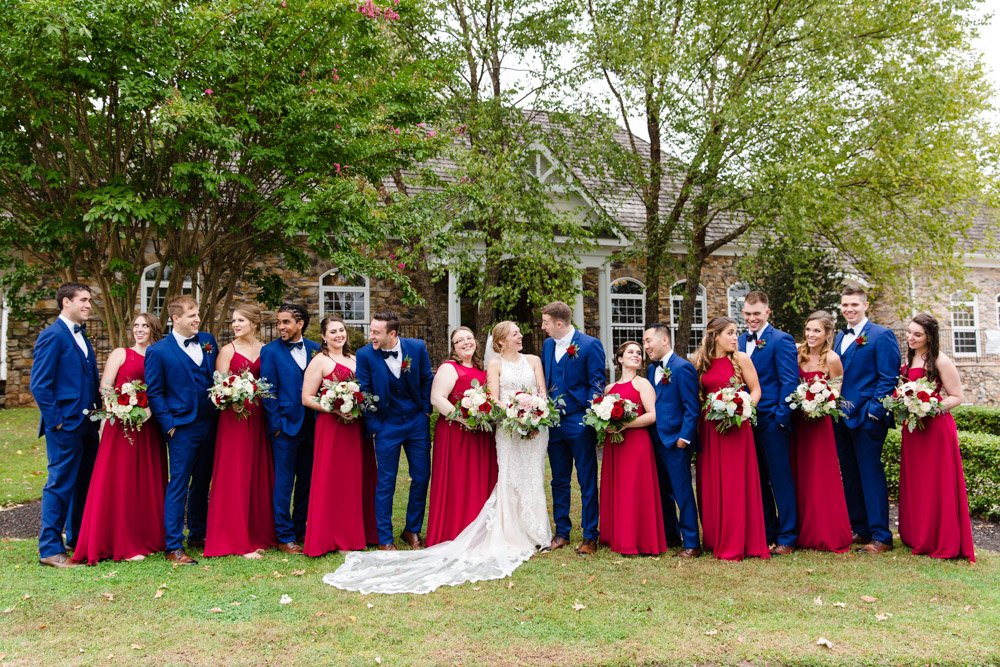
x,y
299,353
752,344
851,337
194,351
395,364
77,336
660,366
563,343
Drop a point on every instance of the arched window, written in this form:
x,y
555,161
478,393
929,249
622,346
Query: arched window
x,y
343,296
153,299
628,305
737,293
698,323
964,324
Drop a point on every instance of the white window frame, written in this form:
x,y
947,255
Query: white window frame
x,y
736,303
146,289
364,290
638,300
675,305
958,301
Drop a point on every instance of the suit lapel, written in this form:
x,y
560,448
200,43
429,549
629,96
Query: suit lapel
x,y
182,358
550,351
72,341
848,355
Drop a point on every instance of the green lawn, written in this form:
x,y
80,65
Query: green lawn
x,y
22,457
557,609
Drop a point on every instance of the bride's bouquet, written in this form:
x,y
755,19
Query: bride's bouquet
x,y
526,413
913,400
609,414
476,410
729,407
815,399
238,391
345,399
127,404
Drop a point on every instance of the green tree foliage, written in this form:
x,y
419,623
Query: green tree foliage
x,y
205,136
858,122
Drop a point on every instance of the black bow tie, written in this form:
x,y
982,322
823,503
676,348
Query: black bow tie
x,y
296,346
849,331
193,340
389,353
751,336
79,328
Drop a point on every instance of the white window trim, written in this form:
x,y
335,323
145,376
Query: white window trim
x,y
365,290
702,297
641,298
974,329
146,287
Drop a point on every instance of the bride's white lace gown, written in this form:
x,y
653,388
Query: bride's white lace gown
x,y
512,525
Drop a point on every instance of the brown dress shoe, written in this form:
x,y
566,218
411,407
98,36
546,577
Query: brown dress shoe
x,y
290,548
58,560
387,547
180,557
688,553
783,550
558,542
411,539
587,547
874,547
858,539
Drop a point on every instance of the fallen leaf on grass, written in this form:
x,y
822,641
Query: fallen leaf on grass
x,y
619,562
370,605
378,660
215,610
883,617
823,641
510,584
235,604
352,619
26,596
110,575
110,597
285,599
8,610
277,575
869,599
319,614
477,588
298,573
41,626
158,594
137,647
713,631
578,607
840,604
818,601
644,581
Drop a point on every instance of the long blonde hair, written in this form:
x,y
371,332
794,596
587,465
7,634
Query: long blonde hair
x,y
706,352
827,321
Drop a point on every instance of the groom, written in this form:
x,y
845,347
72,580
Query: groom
x,y
64,383
398,371
179,370
574,371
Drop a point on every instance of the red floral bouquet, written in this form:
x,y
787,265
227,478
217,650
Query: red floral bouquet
x,y
609,414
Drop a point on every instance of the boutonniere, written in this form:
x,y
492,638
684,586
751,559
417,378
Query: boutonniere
x,y
312,353
573,350
665,378
761,343
207,348
407,362
861,340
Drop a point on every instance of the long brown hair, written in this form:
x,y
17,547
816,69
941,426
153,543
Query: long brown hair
x,y
477,357
931,328
329,319
706,352
828,323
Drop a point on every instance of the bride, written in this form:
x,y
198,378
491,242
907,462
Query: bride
x,y
513,523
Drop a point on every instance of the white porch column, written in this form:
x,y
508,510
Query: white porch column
x,y
454,302
578,305
604,307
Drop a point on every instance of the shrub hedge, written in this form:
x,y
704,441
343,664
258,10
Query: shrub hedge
x,y
977,418
980,459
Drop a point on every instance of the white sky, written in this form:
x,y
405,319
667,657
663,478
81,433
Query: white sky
x,y
989,44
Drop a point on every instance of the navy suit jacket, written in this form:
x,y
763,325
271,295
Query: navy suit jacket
x,y
583,377
870,374
678,407
63,381
373,376
285,411
777,365
176,387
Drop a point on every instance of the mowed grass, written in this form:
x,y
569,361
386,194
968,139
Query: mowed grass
x,y
558,608
22,457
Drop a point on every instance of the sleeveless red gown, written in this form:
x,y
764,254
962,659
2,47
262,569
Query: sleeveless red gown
x,y
933,501
342,495
123,516
630,508
464,469
822,509
240,518
732,512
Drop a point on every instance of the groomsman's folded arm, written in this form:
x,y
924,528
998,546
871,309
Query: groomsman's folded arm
x,y
155,383
687,379
426,379
43,379
887,362
595,370
269,370
787,359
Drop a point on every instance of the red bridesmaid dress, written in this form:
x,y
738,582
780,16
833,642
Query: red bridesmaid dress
x,y
464,469
341,513
240,518
630,508
933,501
732,512
823,523
123,516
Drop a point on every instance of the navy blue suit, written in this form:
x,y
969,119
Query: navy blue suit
x,y
870,373
178,397
576,379
776,361
678,410
399,422
290,426
64,383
